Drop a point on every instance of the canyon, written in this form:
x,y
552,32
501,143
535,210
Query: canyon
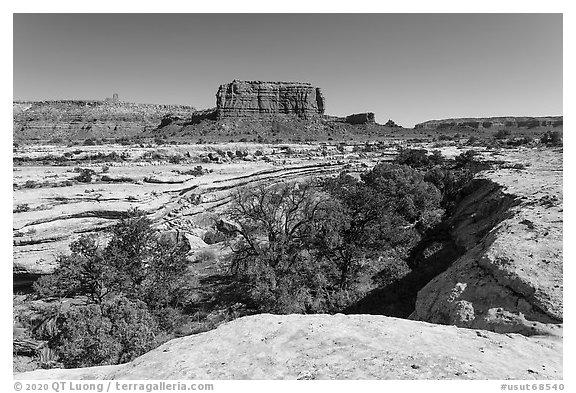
x,y
494,284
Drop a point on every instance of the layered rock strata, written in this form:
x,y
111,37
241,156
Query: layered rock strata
x,y
264,99
79,119
493,122
361,118
510,277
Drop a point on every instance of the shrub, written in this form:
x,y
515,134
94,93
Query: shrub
x,y
31,184
469,160
449,182
21,207
502,134
418,158
115,332
213,237
552,138
135,263
126,286
85,175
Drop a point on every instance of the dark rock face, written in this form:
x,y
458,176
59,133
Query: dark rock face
x,y
391,123
361,118
482,123
194,118
266,99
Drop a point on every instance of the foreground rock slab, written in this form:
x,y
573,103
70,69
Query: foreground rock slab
x,y
336,347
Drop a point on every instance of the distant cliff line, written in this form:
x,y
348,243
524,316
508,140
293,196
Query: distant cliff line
x,y
491,122
86,102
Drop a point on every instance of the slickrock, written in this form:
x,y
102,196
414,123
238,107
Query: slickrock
x,y
264,99
336,347
510,277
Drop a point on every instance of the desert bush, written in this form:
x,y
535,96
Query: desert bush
x,y
175,159
418,158
502,134
552,138
126,286
469,160
21,207
30,184
124,141
115,332
213,237
85,175
135,263
450,183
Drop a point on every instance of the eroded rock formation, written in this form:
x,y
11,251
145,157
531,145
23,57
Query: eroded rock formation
x,y
493,122
257,98
361,118
80,119
509,280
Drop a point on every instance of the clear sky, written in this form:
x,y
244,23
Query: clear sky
x,y
405,67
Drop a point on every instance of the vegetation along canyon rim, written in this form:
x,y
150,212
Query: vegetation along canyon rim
x,y
263,238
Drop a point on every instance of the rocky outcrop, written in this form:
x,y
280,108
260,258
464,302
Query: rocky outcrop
x,y
56,217
264,99
82,119
335,347
509,278
361,118
493,122
391,123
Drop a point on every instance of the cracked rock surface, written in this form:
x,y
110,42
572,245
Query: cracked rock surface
x,y
510,279
336,347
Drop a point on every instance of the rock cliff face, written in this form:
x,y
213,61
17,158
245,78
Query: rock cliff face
x,y
509,280
79,119
361,118
336,347
493,122
265,99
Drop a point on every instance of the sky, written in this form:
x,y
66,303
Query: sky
x,y
405,67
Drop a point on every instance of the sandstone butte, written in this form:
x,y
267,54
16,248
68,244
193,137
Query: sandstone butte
x,y
257,98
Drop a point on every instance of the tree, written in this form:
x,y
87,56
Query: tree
x,y
132,287
136,263
114,332
83,272
309,248
277,254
